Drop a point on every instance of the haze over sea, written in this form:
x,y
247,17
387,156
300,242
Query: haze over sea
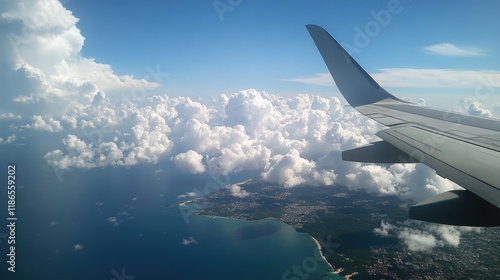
x,y
112,223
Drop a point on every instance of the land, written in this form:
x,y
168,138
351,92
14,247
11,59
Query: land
x,y
343,221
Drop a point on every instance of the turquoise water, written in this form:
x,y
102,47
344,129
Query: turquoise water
x,y
112,223
264,249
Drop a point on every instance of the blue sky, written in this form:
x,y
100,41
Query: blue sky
x,y
214,47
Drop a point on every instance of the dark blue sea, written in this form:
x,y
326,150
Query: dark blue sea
x,y
120,223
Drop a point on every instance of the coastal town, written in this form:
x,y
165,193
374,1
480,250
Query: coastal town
x,y
344,222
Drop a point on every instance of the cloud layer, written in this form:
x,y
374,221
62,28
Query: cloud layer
x,y
289,141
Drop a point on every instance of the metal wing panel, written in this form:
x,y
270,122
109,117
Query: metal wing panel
x,y
445,124
471,166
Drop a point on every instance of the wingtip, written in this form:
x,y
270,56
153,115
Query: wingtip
x,y
310,27
355,84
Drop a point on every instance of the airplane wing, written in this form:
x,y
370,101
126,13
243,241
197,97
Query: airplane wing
x,y
464,149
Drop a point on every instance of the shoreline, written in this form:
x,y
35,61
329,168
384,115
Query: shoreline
x,y
334,271
321,252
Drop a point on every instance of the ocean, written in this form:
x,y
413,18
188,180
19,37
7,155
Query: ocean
x,y
113,223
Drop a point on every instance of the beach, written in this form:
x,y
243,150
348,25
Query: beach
x,y
334,271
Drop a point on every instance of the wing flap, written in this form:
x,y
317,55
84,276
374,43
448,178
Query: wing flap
x,y
378,152
458,207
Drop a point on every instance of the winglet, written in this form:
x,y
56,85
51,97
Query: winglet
x,y
357,86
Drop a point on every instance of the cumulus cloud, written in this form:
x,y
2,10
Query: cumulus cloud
x,y
292,170
473,107
146,147
476,110
190,161
238,191
44,67
423,237
50,125
283,143
190,240
416,240
449,49
300,144
384,229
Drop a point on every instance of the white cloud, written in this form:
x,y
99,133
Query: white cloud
x,y
437,78
416,240
146,147
374,177
423,237
238,191
384,229
45,68
51,125
113,220
320,79
78,247
10,139
299,145
9,116
190,240
189,161
188,194
476,110
421,78
292,170
449,49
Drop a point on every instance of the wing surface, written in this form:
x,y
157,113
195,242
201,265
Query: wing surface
x,y
462,148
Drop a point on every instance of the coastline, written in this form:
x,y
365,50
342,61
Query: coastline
x,y
321,252
334,271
